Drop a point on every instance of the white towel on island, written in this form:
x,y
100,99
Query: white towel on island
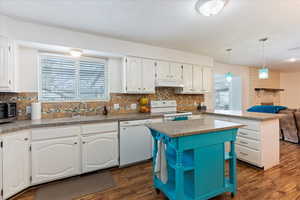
x,y
160,168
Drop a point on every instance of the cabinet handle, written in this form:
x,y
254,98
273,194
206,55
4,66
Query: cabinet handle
x,y
75,142
83,142
9,82
25,139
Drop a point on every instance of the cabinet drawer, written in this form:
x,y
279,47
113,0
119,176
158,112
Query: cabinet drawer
x,y
99,128
248,155
55,132
250,124
249,134
252,144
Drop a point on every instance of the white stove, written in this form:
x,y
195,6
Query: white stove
x,y
168,108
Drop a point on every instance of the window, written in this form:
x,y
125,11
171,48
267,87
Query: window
x,y
228,95
68,79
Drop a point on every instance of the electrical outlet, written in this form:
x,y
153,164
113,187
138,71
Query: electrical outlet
x,y
133,106
28,109
116,106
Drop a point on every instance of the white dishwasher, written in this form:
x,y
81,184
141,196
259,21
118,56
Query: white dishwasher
x,y
135,141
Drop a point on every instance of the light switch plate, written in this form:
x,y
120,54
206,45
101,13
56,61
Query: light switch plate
x,y
28,109
133,106
116,106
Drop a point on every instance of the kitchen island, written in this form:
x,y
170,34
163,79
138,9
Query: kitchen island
x,y
195,158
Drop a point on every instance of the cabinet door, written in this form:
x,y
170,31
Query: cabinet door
x,y
133,75
207,79
1,172
54,159
4,64
176,71
15,163
197,79
99,151
148,76
187,78
162,70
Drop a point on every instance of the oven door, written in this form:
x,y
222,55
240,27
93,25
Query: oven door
x,y
3,110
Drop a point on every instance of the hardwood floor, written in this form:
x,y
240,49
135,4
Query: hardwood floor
x,y
281,182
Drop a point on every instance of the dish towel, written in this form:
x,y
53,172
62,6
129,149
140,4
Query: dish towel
x,y
160,168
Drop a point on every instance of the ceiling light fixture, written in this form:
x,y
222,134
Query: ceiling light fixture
x,y
292,60
210,7
76,53
263,73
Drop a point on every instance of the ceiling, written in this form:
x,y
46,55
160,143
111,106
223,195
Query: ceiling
x,y
175,24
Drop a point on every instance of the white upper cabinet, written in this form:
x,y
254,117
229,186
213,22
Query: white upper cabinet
x,y
187,78
168,74
139,75
162,70
196,79
133,74
7,65
176,71
207,79
148,76
16,172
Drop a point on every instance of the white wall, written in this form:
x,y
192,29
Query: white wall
x,y
243,72
27,70
290,83
25,31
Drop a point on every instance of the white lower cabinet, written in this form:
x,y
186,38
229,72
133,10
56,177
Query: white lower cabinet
x,y
38,156
54,159
99,151
16,172
1,168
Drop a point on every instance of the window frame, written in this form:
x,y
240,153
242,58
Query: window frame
x,y
242,90
82,58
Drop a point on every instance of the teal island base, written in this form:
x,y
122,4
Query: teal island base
x,y
196,165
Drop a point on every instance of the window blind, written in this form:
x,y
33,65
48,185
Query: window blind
x,y
58,78
92,79
65,78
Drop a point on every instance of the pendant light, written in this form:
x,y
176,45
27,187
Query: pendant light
x,y
229,75
210,7
263,73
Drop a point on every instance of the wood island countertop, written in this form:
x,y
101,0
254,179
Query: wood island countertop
x,y
192,127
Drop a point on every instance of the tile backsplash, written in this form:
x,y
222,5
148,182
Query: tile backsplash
x,y
68,109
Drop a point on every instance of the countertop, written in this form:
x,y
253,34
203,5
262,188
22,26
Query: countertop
x,y
192,127
28,124
245,114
